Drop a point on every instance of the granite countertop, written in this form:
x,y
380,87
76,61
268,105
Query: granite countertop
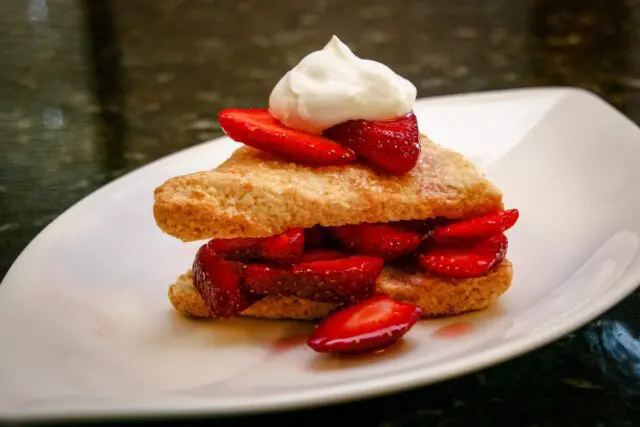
x,y
91,90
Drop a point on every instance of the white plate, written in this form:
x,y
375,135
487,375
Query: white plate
x,y
86,328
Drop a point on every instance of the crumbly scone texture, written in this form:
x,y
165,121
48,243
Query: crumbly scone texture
x,y
255,194
436,296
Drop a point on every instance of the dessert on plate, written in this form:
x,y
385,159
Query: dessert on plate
x,y
337,208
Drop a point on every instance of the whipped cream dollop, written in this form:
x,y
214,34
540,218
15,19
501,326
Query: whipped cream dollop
x,y
333,85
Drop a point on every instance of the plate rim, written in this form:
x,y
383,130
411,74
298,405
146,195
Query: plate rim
x,y
330,394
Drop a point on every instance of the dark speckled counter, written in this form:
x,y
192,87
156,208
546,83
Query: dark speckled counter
x,y
90,90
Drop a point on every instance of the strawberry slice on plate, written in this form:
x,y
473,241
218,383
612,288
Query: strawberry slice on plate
x,y
477,228
392,146
258,129
383,240
218,282
341,280
370,325
284,248
464,260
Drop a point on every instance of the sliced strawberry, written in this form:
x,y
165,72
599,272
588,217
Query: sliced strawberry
x,y
338,280
370,325
392,145
282,248
494,246
218,282
477,228
383,240
234,249
259,129
321,255
465,260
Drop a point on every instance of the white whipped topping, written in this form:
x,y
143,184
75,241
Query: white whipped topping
x,y
333,85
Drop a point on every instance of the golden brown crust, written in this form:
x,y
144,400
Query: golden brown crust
x,y
254,194
436,296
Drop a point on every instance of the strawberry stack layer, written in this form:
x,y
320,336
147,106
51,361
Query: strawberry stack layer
x,y
341,264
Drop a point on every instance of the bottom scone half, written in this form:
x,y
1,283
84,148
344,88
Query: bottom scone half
x,y
435,295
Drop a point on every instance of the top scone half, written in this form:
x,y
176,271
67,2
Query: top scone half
x,y
257,194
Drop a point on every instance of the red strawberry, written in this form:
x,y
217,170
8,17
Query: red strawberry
x,y
218,282
392,145
286,247
477,228
234,249
493,246
338,280
321,255
460,261
383,240
370,325
281,248
259,129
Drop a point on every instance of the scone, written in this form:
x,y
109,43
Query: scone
x,y
254,195
337,208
